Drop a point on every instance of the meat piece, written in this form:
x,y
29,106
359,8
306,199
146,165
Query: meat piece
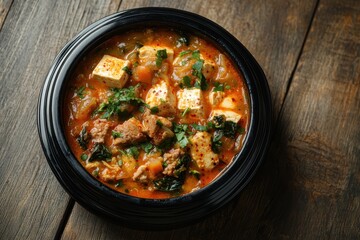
x,y
171,159
141,173
157,128
130,132
99,131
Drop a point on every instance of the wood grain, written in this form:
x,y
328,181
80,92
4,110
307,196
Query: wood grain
x,y
319,136
32,202
4,9
274,32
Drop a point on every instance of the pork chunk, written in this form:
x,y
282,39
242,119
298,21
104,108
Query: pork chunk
x,y
157,128
99,131
130,132
171,159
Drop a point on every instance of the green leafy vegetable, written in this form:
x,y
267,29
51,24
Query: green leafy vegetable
x,y
219,121
127,70
216,143
183,53
84,156
199,127
180,134
201,82
154,110
147,147
186,82
120,162
195,173
219,87
100,152
230,129
119,183
133,151
185,112
119,97
168,184
95,173
116,134
159,123
196,55
161,55
227,87
83,138
80,92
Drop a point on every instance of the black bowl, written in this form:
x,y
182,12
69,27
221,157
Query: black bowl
x,y
152,213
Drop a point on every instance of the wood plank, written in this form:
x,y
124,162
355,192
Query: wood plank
x,y
273,32
4,9
318,137
32,202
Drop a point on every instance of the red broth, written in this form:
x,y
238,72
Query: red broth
x,y
156,113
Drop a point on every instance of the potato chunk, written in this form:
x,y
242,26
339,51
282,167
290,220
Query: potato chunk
x,y
191,100
201,152
229,115
162,98
110,71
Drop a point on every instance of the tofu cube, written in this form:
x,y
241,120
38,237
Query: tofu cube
x,y
230,102
191,100
162,97
216,97
110,71
147,55
229,115
200,151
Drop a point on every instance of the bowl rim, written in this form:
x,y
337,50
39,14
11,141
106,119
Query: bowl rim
x,y
96,33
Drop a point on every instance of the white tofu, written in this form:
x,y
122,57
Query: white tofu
x,y
216,97
147,55
200,151
110,71
229,115
162,96
230,102
191,99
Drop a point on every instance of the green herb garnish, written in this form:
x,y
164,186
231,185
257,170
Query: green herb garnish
x,y
183,53
185,112
195,173
116,134
84,156
80,92
127,70
161,55
133,151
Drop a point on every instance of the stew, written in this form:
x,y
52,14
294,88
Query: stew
x,y
155,113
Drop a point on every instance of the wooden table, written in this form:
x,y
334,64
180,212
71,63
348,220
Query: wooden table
x,y
309,184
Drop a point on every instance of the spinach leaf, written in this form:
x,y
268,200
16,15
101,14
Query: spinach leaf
x,y
186,82
168,184
219,121
100,152
230,129
219,87
83,138
184,39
